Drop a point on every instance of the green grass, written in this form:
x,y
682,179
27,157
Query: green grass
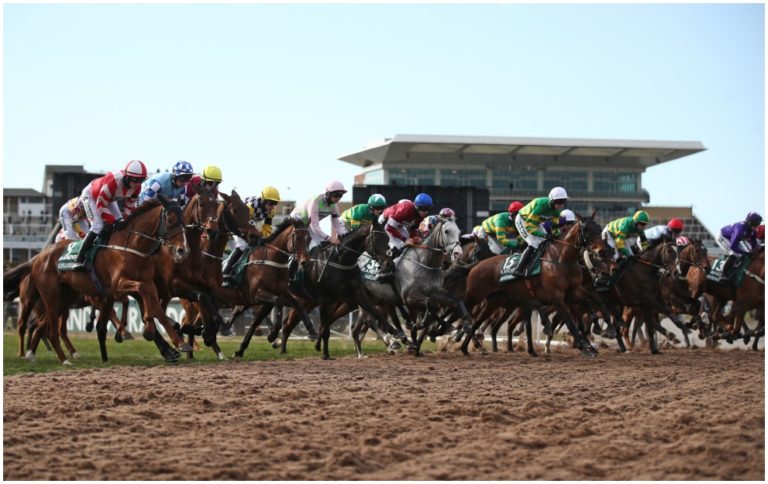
x,y
144,353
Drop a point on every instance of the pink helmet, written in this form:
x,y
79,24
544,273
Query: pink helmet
x,y
447,213
135,169
682,241
335,186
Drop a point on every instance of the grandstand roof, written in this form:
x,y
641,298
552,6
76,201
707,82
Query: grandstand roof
x,y
408,149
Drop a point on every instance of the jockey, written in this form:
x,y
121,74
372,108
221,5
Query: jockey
x,y
531,220
100,198
363,213
447,213
620,233
567,219
499,230
170,185
661,233
739,239
403,218
74,224
210,179
315,209
262,210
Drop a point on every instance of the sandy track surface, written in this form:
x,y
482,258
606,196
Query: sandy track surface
x,y
680,415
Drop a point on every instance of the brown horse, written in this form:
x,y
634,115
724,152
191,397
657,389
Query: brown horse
x,y
265,282
126,267
561,278
750,295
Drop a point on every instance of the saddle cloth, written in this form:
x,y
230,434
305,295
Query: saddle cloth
x,y
238,272
509,264
738,271
68,258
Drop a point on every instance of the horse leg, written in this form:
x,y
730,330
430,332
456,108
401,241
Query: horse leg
x,y
62,323
587,350
290,322
325,328
169,354
101,333
91,319
649,326
263,311
356,330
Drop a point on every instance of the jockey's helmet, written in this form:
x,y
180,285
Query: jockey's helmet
x,y
676,224
422,201
447,213
640,217
182,169
377,200
134,171
270,193
754,219
335,188
212,173
514,207
557,195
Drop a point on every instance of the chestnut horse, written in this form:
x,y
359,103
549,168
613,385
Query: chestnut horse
x,y
126,267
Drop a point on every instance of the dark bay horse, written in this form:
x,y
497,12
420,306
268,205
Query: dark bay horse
x,y
332,281
126,267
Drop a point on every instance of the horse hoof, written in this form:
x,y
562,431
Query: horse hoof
x,y
456,335
221,356
312,337
328,358
118,338
66,363
128,336
237,356
362,357
75,355
89,327
589,354
148,335
30,357
533,353
171,356
185,347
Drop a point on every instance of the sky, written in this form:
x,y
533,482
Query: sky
x,y
275,94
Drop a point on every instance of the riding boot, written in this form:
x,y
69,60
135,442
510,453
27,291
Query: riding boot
x,y
524,260
87,244
226,272
727,265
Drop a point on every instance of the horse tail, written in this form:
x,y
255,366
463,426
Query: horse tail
x,y
53,233
12,279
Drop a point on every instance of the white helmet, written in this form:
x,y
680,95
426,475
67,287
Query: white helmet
x,y
335,186
557,193
568,215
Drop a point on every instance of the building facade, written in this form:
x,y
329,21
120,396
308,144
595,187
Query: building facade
x,y
605,175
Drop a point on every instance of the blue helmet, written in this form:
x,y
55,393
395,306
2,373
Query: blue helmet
x,y
422,200
182,168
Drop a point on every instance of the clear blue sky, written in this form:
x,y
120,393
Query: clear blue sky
x,y
276,94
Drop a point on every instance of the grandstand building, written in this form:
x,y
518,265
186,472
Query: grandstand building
x,y
598,174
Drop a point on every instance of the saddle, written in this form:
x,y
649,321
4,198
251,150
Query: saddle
x,y
68,258
509,264
736,275
238,272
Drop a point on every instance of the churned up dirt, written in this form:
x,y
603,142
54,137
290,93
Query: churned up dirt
x,y
685,414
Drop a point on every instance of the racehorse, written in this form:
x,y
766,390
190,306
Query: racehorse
x,y
265,282
561,277
126,267
332,277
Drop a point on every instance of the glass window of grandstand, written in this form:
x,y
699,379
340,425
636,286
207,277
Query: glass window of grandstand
x,y
374,177
412,176
611,211
516,182
573,181
615,182
579,207
462,178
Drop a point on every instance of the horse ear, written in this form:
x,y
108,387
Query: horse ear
x,y
594,212
162,199
226,197
235,195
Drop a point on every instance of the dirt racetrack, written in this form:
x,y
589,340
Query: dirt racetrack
x,y
685,414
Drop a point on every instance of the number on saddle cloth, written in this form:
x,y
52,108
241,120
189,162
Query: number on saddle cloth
x,y
509,264
68,258
737,271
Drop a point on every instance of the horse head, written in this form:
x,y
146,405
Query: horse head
x,y
202,211
171,229
377,245
235,217
300,239
597,254
694,266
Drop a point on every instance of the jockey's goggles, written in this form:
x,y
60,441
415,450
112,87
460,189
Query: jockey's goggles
x,y
559,201
133,179
184,178
271,203
337,194
210,183
423,209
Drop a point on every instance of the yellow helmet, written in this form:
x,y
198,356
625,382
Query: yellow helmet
x,y
270,193
212,173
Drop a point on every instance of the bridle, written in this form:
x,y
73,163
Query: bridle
x,y
162,236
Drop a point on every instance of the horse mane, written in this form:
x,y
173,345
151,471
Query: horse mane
x,y
287,222
146,207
